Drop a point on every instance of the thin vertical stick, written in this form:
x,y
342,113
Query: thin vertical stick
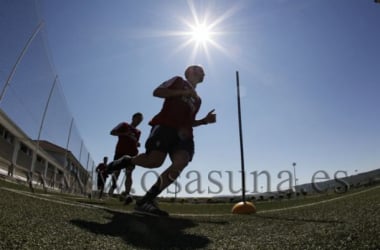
x,y
241,138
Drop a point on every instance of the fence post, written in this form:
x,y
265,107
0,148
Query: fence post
x,y
66,163
24,50
34,157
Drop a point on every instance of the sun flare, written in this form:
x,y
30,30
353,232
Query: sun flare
x,y
201,36
201,33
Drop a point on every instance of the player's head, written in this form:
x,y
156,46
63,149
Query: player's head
x,y
137,119
105,159
194,74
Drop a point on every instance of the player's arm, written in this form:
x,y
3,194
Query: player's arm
x,y
168,93
209,118
138,139
118,130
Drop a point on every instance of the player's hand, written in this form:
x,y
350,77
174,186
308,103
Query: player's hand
x,y
211,117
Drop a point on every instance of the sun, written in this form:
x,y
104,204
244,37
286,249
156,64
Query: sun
x,y
201,33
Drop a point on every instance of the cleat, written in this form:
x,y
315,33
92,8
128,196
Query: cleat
x,y
150,208
128,200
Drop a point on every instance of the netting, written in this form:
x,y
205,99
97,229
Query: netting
x,y
31,92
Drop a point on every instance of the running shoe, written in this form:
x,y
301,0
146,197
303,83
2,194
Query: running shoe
x,y
150,208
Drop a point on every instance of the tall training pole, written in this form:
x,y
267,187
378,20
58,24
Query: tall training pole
x,y
242,207
241,137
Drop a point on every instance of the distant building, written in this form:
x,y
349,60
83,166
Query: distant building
x,y
59,168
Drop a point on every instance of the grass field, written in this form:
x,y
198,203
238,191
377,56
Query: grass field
x,y
55,221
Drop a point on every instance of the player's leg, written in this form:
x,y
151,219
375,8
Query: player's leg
x,y
180,159
152,159
99,184
101,190
156,149
128,185
119,164
114,178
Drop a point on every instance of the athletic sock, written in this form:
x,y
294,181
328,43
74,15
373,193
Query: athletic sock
x,y
150,195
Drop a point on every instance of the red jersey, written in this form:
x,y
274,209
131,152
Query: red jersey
x,y
128,142
178,112
101,170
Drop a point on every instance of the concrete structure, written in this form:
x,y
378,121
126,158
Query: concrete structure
x,y
47,163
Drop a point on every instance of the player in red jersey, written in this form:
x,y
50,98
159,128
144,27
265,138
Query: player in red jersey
x,y
127,144
171,134
102,175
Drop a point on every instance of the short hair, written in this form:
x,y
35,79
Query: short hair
x,y
137,114
191,68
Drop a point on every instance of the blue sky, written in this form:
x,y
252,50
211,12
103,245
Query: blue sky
x,y
309,76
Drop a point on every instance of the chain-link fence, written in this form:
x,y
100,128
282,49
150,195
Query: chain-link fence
x,y
32,99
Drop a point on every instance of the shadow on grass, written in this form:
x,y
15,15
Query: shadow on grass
x,y
147,231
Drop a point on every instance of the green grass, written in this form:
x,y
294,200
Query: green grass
x,y
56,221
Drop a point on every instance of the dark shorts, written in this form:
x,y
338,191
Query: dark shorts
x,y
166,140
101,181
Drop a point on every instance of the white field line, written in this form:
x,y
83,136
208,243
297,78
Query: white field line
x,y
59,201
320,202
286,208
183,215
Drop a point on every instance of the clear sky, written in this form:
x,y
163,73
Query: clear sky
x,y
309,76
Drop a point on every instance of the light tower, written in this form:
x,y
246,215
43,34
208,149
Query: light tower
x,y
295,178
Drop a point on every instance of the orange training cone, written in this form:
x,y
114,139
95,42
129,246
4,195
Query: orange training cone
x,y
244,207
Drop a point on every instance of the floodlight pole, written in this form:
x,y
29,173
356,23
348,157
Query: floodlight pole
x,y
295,178
241,137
